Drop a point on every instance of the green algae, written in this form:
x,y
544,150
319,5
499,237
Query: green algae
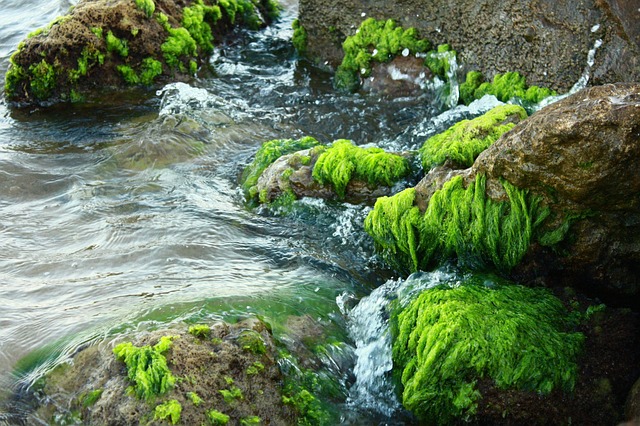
x,y
194,19
43,79
343,161
170,410
179,44
255,369
374,41
439,61
232,395
89,58
147,6
251,341
269,152
201,331
460,223
448,339
504,87
250,420
217,418
465,140
150,69
300,37
147,367
91,398
117,45
194,398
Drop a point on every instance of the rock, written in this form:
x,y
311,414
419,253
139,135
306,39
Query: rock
x,y
342,171
582,156
93,389
113,44
547,41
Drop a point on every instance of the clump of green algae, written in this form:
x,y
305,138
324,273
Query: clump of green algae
x,y
465,140
374,41
170,410
504,87
448,339
344,161
147,367
459,222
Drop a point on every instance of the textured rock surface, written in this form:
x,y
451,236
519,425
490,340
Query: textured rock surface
x,y
547,41
582,156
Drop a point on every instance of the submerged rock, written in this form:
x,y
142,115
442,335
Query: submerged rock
x,y
547,41
113,44
221,371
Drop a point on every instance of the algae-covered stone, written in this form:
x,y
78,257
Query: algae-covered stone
x,y
459,222
449,339
112,44
376,41
208,374
341,171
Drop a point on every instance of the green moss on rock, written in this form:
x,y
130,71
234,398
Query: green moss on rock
x,y
196,20
465,140
216,418
460,223
147,6
344,161
448,339
117,45
43,79
269,152
170,411
201,331
299,37
251,341
439,61
147,367
504,87
374,41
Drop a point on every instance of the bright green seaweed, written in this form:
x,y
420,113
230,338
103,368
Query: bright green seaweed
x,y
147,367
465,140
460,223
343,161
299,38
504,87
374,41
170,410
449,338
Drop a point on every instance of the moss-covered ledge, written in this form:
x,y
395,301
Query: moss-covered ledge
x,y
115,44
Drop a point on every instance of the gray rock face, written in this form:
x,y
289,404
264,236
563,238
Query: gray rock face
x,y
547,41
582,156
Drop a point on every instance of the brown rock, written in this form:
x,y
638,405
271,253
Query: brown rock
x,y
582,156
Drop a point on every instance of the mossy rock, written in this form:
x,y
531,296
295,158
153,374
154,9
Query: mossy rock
x,y
504,87
173,377
448,339
105,44
459,222
376,41
341,171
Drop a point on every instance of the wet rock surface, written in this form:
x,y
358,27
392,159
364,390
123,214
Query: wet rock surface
x,y
204,365
581,155
547,41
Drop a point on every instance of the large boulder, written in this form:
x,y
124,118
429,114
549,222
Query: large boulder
x,y
547,41
118,43
580,157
